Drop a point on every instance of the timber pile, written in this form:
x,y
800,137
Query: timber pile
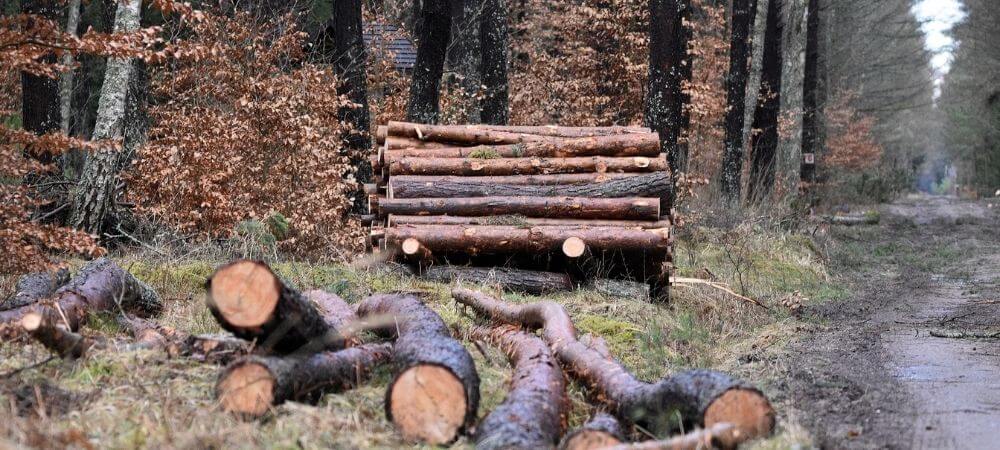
x,y
563,200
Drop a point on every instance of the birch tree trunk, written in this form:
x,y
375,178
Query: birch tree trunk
x,y
66,78
94,201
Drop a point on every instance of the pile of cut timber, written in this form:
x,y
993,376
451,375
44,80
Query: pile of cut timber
x,y
566,200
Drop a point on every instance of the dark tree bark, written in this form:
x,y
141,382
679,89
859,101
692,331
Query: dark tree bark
x,y
425,89
34,287
464,55
744,12
656,184
345,29
811,143
627,208
764,143
494,44
40,105
667,55
686,73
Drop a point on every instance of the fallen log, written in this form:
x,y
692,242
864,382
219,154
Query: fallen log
x,y
394,142
434,394
56,337
516,280
565,131
620,145
459,134
525,166
511,239
533,414
626,208
522,221
539,180
252,385
700,397
600,432
100,286
723,436
35,286
208,348
251,302
657,184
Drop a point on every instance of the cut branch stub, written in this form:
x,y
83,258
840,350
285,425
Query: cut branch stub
x,y
434,394
252,385
250,301
699,397
600,432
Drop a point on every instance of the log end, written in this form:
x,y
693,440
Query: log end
x,y
246,389
411,246
747,409
574,247
590,440
244,293
31,322
427,404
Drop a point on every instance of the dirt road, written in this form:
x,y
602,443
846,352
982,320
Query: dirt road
x,y
912,359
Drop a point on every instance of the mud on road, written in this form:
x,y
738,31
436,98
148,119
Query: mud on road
x,y
912,358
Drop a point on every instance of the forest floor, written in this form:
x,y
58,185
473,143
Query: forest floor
x,y
910,360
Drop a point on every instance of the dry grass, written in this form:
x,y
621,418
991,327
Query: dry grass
x,y
143,399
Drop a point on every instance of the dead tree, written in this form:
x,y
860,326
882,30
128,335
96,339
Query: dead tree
x,y
764,144
94,202
435,28
534,412
744,12
494,42
667,54
698,397
434,394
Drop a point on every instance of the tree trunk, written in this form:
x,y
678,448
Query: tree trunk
x,y
514,280
514,239
667,53
434,394
349,60
534,411
494,43
525,166
553,207
788,158
100,286
250,301
94,202
252,385
657,184
811,142
464,55
394,142
541,130
699,397
40,95
34,287
765,143
66,78
394,220
600,432
536,180
736,83
614,145
435,28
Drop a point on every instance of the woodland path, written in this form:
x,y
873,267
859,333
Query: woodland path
x,y
904,362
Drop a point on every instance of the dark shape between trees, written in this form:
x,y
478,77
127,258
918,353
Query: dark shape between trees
x,y
764,141
744,12
434,31
494,41
40,105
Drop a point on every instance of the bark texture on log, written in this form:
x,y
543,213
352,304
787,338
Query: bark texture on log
x,y
397,142
100,286
434,394
645,144
459,134
628,208
522,221
516,280
34,287
533,414
252,385
525,166
600,432
507,239
700,397
537,180
250,301
657,184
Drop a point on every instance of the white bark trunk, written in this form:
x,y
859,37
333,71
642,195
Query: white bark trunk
x,y
788,159
95,193
756,60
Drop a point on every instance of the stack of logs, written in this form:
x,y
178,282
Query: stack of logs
x,y
569,201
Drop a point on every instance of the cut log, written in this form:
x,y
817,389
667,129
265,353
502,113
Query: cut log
x,y
394,142
56,337
627,208
538,180
600,432
723,436
699,397
434,394
522,221
657,184
250,301
533,414
412,248
510,239
460,134
100,286
562,131
35,286
516,280
252,385
525,166
620,145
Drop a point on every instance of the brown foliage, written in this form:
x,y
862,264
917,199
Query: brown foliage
x,y
850,142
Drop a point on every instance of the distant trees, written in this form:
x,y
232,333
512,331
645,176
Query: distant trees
x,y
744,12
811,94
